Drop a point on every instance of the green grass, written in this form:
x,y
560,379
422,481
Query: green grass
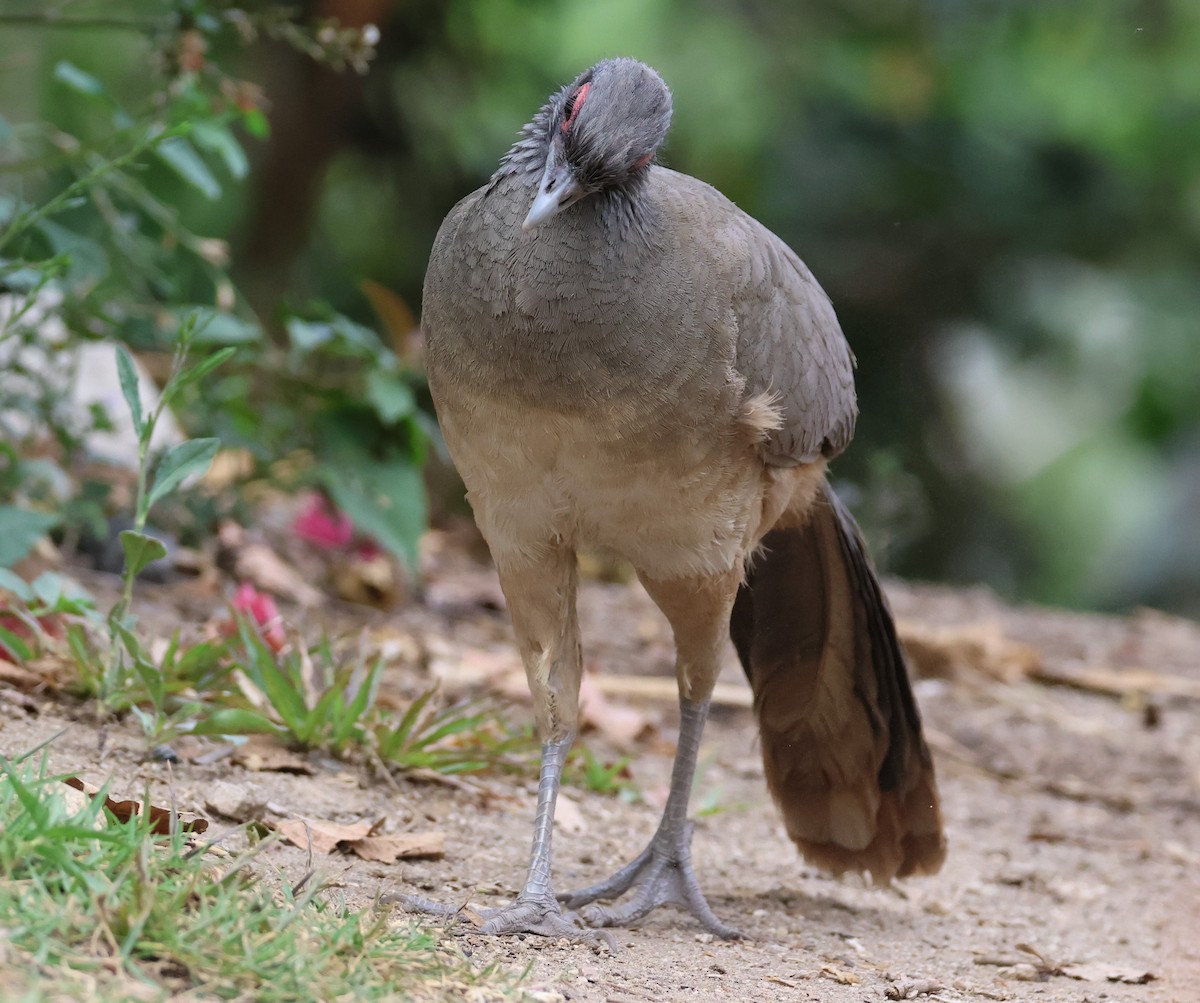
x,y
95,909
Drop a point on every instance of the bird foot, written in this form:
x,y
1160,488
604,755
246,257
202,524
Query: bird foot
x,y
535,914
660,875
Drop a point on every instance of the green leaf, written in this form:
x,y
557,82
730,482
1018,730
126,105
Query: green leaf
x,y
256,123
390,396
213,328
178,154
363,699
86,260
48,587
265,673
129,387
215,137
140,550
306,335
235,721
20,529
14,583
16,646
75,78
384,498
193,374
5,130
191,457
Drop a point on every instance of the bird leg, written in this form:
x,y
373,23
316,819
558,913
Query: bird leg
x,y
541,599
662,873
536,909
698,611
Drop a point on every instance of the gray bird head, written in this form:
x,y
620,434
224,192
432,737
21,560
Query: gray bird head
x,y
601,131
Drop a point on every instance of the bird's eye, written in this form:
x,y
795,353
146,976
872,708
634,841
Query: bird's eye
x,y
574,103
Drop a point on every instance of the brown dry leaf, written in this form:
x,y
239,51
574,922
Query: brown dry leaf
x,y
76,800
229,467
907,989
1100,972
396,316
57,671
841,975
325,836
1046,965
21,678
48,671
257,563
368,581
458,667
162,820
618,722
402,846
970,649
261,752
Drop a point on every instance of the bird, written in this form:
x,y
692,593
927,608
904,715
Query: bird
x,y
623,360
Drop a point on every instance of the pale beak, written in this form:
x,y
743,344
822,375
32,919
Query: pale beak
x,y
557,190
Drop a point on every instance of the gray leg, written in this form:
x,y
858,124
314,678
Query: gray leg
x,y
662,874
536,910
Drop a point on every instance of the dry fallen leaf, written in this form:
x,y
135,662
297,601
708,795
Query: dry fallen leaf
x,y
162,820
361,839
460,667
403,330
963,650
841,976
907,989
254,561
261,753
369,580
402,846
618,722
1100,972
324,836
21,678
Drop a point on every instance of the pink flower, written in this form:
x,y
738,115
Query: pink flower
x,y
320,524
261,607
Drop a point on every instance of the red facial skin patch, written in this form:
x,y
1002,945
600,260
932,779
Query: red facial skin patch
x,y
575,106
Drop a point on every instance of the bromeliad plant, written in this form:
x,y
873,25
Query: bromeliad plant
x,y
303,697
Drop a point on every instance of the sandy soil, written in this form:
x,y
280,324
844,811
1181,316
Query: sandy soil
x,y
1073,816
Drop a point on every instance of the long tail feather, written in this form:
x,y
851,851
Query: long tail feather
x,y
841,735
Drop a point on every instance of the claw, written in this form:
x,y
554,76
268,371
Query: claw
x,y
660,875
537,915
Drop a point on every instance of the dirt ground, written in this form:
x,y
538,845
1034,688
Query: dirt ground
x,y
1073,814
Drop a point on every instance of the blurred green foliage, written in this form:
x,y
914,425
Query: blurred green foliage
x,y
1002,198
113,157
